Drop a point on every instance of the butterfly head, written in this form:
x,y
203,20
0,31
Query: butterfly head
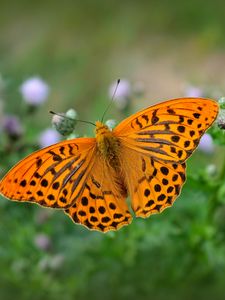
x,y
101,128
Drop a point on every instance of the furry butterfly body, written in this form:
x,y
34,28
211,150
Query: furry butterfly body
x,y
90,178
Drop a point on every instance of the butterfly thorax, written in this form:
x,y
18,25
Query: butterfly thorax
x,y
107,144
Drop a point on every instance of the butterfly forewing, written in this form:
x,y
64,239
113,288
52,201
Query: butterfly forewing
x,y
53,176
169,131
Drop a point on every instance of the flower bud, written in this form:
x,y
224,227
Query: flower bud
x,y
65,123
221,117
110,123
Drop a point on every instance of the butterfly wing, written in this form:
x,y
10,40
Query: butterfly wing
x,y
153,184
158,140
101,206
54,176
169,131
70,175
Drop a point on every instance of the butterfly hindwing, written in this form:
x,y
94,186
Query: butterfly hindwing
x,y
102,204
53,176
168,131
160,191
154,185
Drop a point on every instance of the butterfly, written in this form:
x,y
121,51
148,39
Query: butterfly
x,y
90,178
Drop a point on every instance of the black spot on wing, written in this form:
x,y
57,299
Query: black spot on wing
x,y
154,119
138,123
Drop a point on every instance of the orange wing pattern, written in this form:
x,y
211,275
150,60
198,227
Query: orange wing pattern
x,y
157,141
152,184
148,151
54,176
169,131
102,205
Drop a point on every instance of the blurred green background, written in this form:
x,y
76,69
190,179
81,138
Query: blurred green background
x,y
79,48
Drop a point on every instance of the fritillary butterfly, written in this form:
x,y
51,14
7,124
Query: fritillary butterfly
x,y
90,178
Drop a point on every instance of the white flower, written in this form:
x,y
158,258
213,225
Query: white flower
x,y
48,137
193,91
34,91
122,94
206,144
42,241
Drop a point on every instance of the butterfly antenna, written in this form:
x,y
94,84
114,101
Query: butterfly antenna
x,y
63,116
113,96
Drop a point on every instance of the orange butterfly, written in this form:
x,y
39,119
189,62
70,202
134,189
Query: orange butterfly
x,y
90,178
